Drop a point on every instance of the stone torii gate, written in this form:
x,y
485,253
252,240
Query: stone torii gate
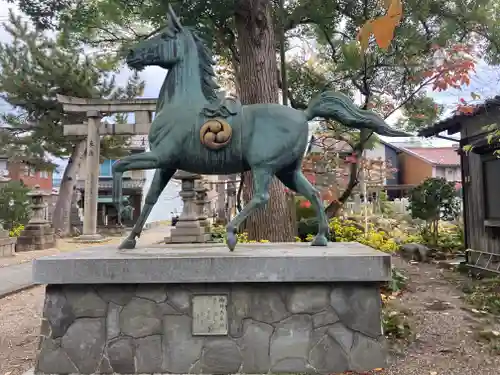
x,y
93,129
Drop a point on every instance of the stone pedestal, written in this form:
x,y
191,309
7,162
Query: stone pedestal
x,y
38,234
7,244
193,309
188,228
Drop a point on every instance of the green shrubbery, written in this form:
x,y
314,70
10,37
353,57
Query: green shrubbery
x,y
16,231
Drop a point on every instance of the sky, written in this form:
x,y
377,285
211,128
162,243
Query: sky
x,y
484,82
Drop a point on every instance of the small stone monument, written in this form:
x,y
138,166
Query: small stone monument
x,y
7,244
38,233
188,228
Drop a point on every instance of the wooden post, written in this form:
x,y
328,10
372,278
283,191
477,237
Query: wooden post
x,y
92,178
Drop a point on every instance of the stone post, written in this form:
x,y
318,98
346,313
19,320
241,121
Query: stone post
x,y
231,197
92,179
38,233
75,220
188,228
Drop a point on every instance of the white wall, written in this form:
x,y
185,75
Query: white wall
x,y
377,152
169,201
449,173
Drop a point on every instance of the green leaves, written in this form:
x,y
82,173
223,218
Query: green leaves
x,y
434,199
14,204
35,69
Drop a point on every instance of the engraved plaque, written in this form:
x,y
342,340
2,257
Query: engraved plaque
x,y
210,315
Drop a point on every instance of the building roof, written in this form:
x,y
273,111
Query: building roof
x,y
442,156
452,123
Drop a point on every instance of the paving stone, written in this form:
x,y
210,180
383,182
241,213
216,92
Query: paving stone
x,y
45,329
221,356
50,361
57,311
121,355
113,321
85,302
252,303
180,299
290,365
181,350
121,295
167,309
308,299
84,342
148,355
328,356
267,306
104,366
367,354
325,318
254,347
153,292
342,335
140,318
282,346
359,308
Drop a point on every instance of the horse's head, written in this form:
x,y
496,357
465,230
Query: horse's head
x,y
161,49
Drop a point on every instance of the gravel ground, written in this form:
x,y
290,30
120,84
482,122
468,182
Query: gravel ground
x,y
446,333
19,324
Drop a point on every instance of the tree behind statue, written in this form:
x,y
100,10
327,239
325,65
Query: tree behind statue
x,y
35,68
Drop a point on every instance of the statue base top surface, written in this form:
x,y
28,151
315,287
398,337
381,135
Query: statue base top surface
x,y
212,263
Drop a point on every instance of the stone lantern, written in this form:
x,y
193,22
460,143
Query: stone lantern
x,y
38,234
188,228
7,244
201,203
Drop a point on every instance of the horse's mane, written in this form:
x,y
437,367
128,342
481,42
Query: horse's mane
x,y
207,74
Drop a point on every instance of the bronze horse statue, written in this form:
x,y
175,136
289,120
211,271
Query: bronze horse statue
x,y
197,131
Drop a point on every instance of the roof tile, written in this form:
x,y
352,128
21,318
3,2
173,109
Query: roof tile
x,y
437,155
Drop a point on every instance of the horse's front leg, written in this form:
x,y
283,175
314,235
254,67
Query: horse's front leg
x,y
261,179
145,160
160,180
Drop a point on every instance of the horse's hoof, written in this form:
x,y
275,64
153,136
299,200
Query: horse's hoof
x,y
129,243
231,240
319,240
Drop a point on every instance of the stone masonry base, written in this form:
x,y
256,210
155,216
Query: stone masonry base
x,y
324,328
36,237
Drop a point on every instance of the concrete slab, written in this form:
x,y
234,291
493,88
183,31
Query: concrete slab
x,y
213,263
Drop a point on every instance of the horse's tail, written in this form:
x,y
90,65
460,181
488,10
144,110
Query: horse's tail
x,y
336,106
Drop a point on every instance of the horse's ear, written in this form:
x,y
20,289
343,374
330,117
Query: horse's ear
x,y
174,20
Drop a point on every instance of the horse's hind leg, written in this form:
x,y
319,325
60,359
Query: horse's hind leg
x,y
160,180
261,180
295,180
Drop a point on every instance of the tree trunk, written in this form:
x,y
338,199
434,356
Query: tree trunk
x,y
258,84
61,215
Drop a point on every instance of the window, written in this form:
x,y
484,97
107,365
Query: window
x,y
450,174
44,174
31,171
105,168
491,185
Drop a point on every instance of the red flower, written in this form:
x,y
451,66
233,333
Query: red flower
x,y
305,204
